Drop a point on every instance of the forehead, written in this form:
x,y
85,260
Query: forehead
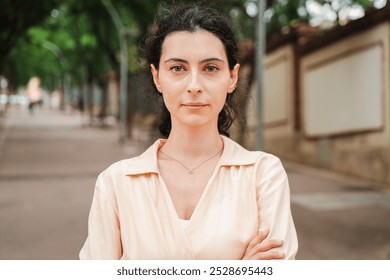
x,y
199,44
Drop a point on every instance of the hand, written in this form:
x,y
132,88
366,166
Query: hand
x,y
258,249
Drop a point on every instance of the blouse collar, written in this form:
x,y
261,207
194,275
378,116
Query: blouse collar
x,y
233,155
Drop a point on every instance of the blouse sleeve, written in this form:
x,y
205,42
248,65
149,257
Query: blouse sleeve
x,y
103,241
273,198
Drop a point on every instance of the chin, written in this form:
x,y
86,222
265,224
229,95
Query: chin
x,y
198,121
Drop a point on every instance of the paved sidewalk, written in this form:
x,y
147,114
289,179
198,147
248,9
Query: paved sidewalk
x,y
49,164
339,217
48,168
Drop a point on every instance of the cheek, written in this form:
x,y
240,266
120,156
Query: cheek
x,y
221,101
166,99
169,84
169,101
221,84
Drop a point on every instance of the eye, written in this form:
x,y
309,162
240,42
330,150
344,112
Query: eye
x,y
211,68
176,68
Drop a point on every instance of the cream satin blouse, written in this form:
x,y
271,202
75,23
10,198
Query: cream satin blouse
x,y
133,217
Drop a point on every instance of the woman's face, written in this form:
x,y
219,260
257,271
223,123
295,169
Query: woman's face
x,y
194,77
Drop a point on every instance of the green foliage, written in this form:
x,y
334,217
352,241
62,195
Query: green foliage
x,y
284,14
38,35
88,41
53,38
16,16
27,60
64,45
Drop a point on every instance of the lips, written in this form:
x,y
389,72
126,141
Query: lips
x,y
195,105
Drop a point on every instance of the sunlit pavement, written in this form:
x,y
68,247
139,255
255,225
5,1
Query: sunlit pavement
x,y
339,217
48,167
49,163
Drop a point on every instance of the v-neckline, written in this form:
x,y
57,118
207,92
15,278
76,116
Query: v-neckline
x,y
198,205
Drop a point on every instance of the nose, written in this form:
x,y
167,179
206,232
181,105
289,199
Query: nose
x,y
194,84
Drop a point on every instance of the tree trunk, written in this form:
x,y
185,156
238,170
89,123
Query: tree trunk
x,y
104,100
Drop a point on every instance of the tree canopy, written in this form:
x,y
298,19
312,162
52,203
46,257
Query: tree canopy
x,y
78,37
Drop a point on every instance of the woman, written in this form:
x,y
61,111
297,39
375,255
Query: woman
x,y
196,194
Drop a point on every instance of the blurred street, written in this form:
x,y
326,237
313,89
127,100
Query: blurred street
x,y
49,164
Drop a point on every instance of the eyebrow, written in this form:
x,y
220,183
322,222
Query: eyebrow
x,y
202,61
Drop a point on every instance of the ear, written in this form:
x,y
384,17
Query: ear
x,y
233,78
155,77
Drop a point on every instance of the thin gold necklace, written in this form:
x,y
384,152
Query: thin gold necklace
x,y
191,171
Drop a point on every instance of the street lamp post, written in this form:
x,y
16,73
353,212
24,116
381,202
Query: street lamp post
x,y
122,33
55,50
260,51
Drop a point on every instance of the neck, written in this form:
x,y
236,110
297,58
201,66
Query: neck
x,y
194,143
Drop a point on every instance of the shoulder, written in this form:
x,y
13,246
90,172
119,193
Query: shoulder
x,y
270,174
145,163
121,166
118,179
267,165
267,161
112,175
236,154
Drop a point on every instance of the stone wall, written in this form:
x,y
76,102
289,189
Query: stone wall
x,y
356,143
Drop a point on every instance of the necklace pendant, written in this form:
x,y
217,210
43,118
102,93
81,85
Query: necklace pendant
x,y
190,172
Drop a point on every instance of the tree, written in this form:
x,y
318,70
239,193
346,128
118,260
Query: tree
x,y
78,39
16,17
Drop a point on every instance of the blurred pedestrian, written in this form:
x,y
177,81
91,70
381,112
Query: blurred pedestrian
x,y
196,194
34,93
80,103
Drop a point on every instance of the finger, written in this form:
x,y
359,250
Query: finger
x,y
264,247
258,239
270,255
268,245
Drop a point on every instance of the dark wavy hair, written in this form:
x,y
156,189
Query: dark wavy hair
x,y
192,17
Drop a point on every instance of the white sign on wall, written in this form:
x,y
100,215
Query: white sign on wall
x,y
275,92
344,94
